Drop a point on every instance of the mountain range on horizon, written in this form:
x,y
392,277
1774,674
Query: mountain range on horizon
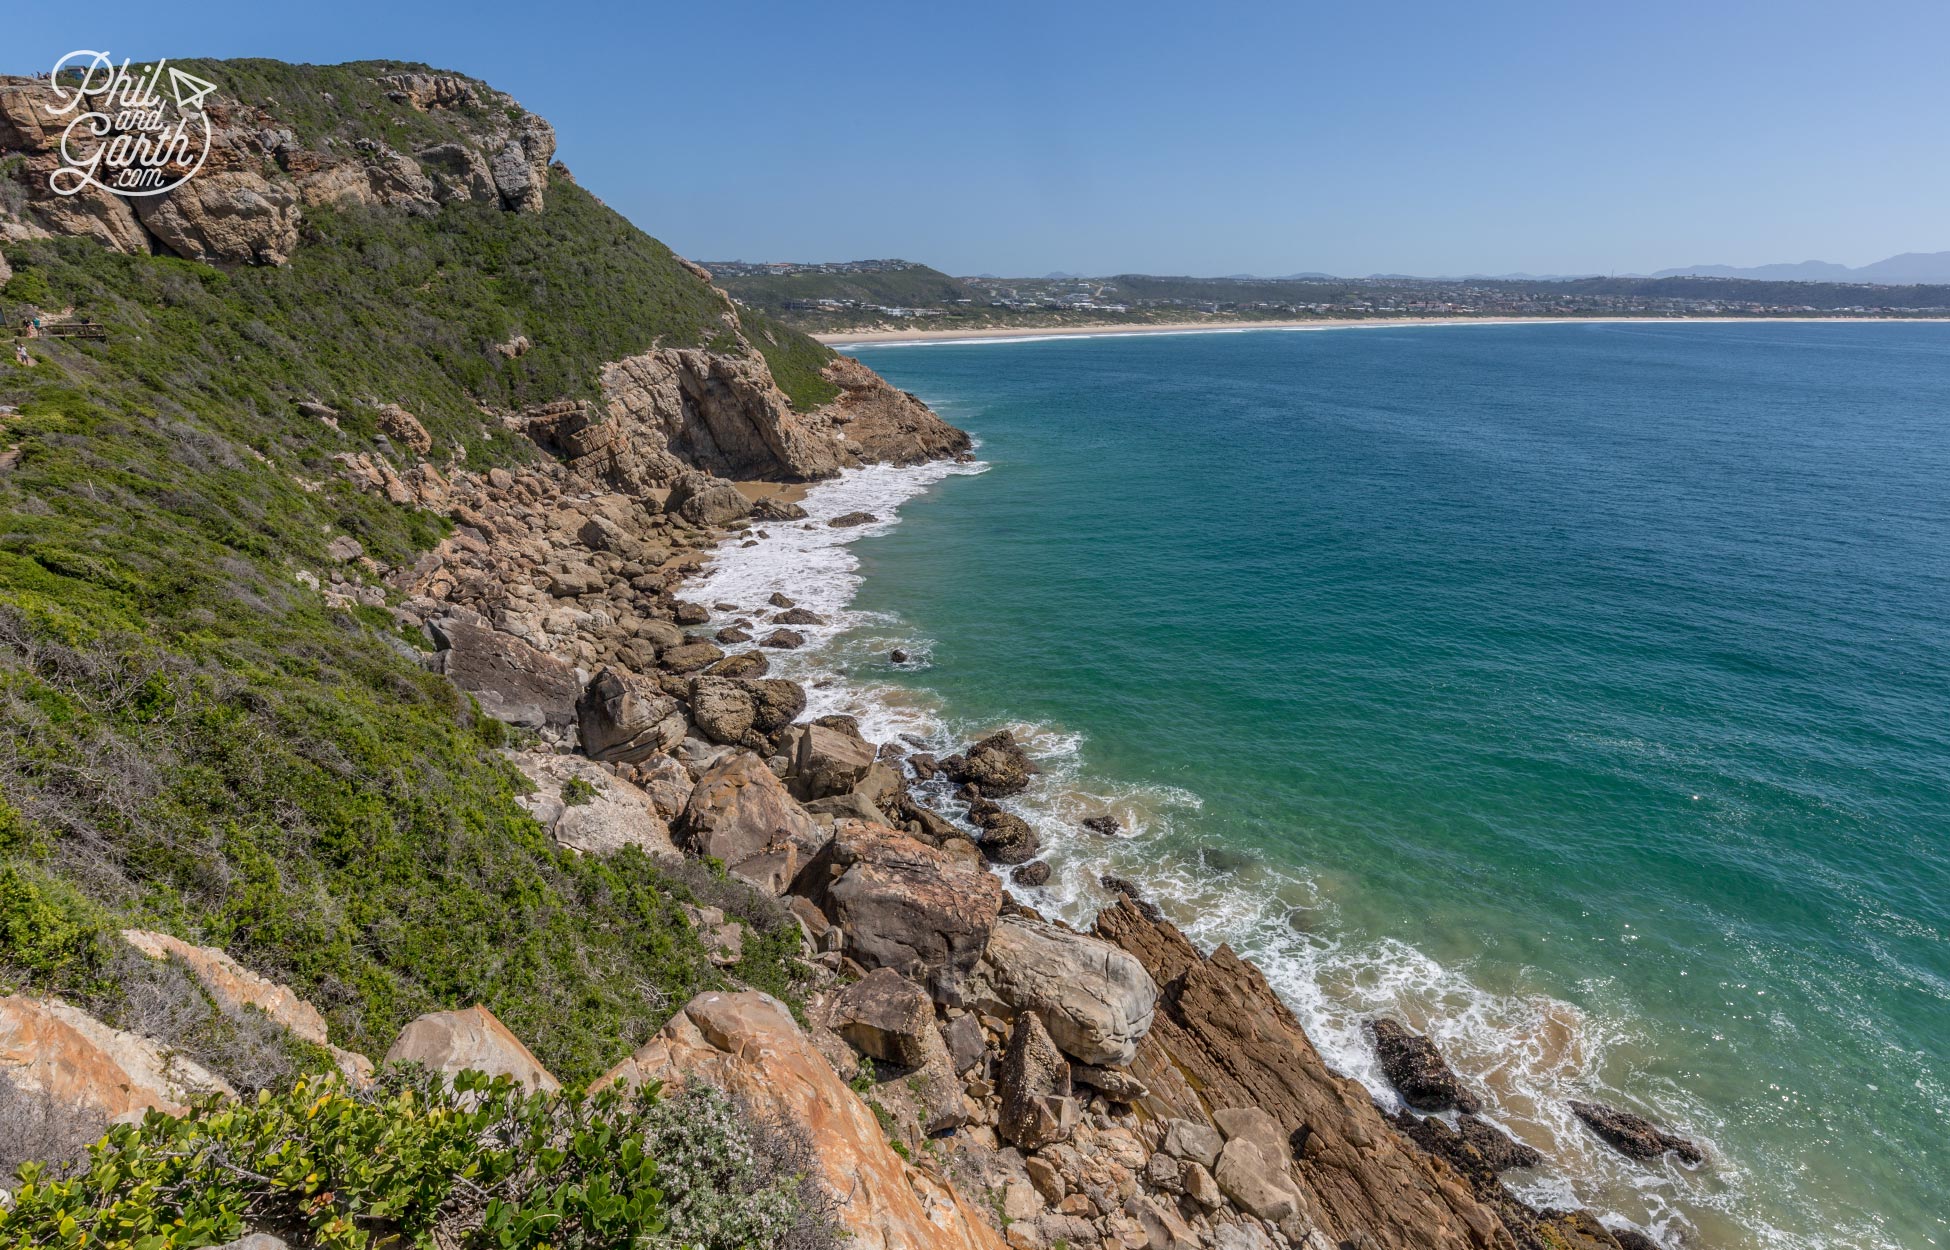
x,y
1906,269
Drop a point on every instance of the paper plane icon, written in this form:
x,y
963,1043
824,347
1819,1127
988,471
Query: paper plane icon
x,y
188,89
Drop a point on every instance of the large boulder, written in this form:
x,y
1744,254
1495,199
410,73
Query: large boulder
x,y
512,681
748,1046
233,215
827,761
904,905
625,719
470,1040
997,766
1037,1108
740,814
590,810
48,1047
744,711
1096,1000
705,500
1416,1068
890,1019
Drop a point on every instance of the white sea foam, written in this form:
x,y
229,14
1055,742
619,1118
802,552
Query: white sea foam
x,y
1525,1054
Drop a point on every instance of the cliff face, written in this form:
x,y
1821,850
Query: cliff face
x,y
669,407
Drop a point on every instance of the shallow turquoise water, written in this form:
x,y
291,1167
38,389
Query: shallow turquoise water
x,y
1581,692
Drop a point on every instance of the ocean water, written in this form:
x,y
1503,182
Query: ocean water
x,y
1579,693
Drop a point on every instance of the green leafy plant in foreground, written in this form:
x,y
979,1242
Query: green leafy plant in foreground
x,y
479,1163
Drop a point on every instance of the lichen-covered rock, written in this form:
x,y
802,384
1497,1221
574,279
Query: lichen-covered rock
x,y
589,810
748,1046
1096,999
904,905
472,1039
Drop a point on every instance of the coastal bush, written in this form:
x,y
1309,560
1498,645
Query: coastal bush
x,y
477,1163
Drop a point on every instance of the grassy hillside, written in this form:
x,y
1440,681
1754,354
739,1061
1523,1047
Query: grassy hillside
x,y
191,741
919,287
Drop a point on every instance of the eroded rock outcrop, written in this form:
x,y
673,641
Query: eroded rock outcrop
x,y
748,1046
1221,1038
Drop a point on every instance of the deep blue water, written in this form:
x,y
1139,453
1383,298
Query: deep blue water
x,y
1580,692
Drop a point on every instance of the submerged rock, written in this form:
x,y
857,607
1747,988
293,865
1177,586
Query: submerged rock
x,y
850,519
997,766
1416,1068
1634,1136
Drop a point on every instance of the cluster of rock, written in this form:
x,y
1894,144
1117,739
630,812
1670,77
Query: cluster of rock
x,y
248,200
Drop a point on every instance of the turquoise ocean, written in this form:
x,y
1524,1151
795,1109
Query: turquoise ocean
x,y
1578,693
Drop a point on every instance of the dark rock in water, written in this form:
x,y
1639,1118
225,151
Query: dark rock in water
x,y
1473,1147
692,613
1008,839
891,751
724,607
798,616
733,634
1119,885
784,639
898,656
923,765
778,600
1632,1239
1225,859
1033,873
1417,1069
1634,1136
1105,825
848,725
851,519
997,765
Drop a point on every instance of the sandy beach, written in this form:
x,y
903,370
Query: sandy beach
x,y
1105,329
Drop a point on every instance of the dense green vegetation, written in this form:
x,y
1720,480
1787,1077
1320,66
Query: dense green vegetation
x,y
190,740
917,287
479,1164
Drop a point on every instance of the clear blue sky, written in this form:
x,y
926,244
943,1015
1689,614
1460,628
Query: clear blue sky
x,y
1430,137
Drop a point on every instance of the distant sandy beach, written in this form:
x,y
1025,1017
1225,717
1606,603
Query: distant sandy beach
x,y
1110,329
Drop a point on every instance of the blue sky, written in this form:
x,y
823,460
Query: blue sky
x,y
1213,138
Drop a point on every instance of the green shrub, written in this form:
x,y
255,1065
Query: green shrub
x,y
576,792
479,1164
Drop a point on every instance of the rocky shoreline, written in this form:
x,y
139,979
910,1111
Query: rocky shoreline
x,y
971,1073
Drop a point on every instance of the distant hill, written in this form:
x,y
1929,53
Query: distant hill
x,y
916,286
1908,269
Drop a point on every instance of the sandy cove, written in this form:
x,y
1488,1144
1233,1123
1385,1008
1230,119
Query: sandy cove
x,y
1121,329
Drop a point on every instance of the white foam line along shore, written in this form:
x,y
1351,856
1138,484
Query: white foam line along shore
x,y
1524,1053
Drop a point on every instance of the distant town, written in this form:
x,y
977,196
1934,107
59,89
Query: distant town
x,y
861,294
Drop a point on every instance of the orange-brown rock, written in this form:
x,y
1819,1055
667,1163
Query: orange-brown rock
x,y
49,1047
1221,1038
748,1046
472,1039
